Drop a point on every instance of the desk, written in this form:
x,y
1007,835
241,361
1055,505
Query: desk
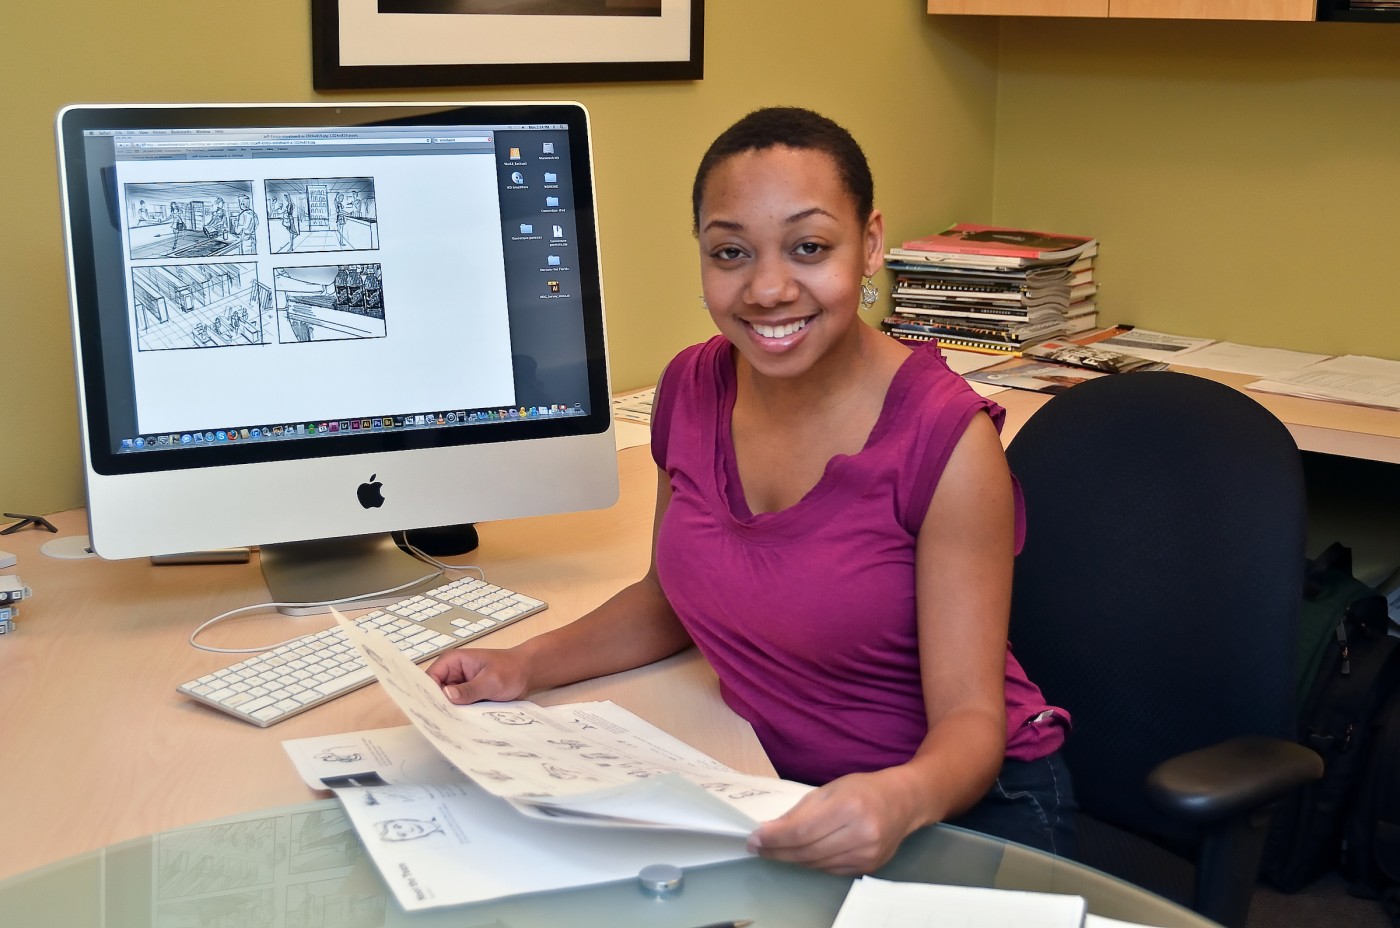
x,y
236,880
100,750
1329,428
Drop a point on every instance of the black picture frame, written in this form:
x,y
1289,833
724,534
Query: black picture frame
x,y
334,69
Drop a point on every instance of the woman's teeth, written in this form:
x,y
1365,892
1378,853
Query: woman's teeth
x,y
779,331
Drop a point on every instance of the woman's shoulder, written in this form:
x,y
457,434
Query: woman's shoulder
x,y
925,383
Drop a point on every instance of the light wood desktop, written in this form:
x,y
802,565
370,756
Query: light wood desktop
x,y
1328,428
99,748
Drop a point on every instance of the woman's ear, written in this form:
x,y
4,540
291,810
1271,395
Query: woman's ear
x,y
874,243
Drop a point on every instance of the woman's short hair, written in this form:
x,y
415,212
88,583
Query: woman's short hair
x,y
790,127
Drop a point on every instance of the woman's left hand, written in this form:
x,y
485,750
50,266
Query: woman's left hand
x,y
851,826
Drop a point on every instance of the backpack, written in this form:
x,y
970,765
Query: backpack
x,y
1371,858
1347,669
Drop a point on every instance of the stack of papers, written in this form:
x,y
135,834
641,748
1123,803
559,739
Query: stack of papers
x,y
1354,379
478,802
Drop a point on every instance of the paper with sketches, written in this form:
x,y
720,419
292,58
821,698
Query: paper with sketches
x,y
873,903
589,763
453,843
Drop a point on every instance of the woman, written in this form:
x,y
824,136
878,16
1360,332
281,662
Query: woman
x,y
835,531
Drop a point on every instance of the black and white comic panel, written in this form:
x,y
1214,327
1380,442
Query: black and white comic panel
x,y
191,220
322,214
329,303
200,306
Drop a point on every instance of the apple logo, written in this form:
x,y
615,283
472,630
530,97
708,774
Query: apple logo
x,y
370,494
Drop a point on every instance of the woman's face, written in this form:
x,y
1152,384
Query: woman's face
x,y
782,254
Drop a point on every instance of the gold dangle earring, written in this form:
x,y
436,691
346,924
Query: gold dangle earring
x,y
869,293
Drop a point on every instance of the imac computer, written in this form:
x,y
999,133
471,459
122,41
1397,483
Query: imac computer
x,y
304,327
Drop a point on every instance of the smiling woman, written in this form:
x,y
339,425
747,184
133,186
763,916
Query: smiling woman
x,y
835,528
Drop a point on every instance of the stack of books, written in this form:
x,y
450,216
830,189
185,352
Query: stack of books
x,y
992,289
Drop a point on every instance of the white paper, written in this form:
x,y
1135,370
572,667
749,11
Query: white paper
x,y
368,758
454,843
1154,346
630,434
1354,379
1247,359
577,756
873,903
1100,921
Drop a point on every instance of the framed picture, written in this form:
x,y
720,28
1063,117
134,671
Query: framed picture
x,y
440,43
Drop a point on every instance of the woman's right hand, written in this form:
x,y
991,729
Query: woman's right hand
x,y
470,675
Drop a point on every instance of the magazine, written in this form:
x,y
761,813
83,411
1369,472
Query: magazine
x,y
1030,374
1022,247
1091,356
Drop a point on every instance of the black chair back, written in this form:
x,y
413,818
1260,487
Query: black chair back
x,y
1157,596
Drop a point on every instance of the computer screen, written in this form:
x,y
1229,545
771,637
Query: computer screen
x,y
309,322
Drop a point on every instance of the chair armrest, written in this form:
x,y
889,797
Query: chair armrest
x,y
1226,779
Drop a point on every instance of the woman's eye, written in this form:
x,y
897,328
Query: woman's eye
x,y
728,253
809,248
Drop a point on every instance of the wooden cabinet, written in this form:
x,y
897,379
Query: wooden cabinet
x,y
1094,8
1276,10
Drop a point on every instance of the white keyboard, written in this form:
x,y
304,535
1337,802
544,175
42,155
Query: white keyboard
x,y
316,668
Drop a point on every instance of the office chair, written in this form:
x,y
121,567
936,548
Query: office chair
x,y
1157,600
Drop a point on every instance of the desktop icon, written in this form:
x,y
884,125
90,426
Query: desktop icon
x,y
551,201
553,260
526,229
553,286
364,423
186,438
243,433
558,231
515,154
208,436
139,442
257,433
550,177
548,148
128,443
516,177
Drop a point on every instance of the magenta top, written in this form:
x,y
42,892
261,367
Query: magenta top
x,y
808,615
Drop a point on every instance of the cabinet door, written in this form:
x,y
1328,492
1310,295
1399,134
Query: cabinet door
x,y
1300,10
1098,8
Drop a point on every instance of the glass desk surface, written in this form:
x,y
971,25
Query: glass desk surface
x,y
303,866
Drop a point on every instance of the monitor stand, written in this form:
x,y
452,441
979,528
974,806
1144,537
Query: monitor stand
x,y
313,572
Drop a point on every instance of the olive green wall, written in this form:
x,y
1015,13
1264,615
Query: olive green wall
x,y
931,152
1243,178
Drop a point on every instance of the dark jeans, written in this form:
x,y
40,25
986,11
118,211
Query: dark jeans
x,y
1031,802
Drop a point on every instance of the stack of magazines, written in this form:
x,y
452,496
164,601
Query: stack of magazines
x,y
990,288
